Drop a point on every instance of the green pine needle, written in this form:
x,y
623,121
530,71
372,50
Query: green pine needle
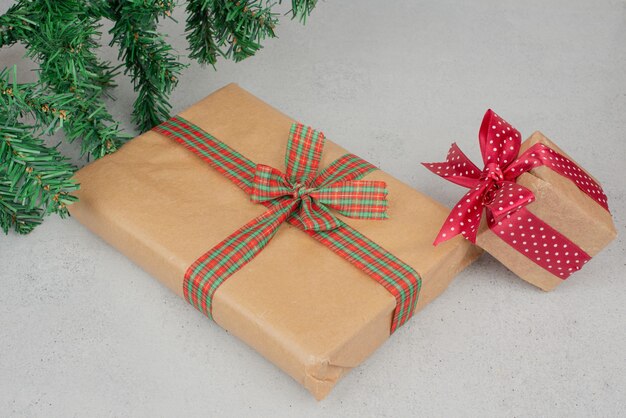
x,y
148,59
301,9
35,180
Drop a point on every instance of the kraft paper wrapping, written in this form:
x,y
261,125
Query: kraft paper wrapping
x,y
562,205
300,305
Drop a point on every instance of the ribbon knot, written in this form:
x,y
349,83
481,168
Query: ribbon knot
x,y
492,172
493,176
492,188
299,190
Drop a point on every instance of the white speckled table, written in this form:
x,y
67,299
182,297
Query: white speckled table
x,y
84,332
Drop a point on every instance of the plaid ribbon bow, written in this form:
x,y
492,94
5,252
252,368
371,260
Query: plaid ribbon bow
x,y
307,196
494,190
303,197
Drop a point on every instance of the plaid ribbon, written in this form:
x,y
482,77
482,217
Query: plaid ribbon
x,y
494,190
303,196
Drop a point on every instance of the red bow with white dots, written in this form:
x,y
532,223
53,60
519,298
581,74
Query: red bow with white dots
x,y
494,186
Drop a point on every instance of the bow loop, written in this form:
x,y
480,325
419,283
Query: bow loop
x,y
269,184
360,199
346,168
304,151
465,217
499,141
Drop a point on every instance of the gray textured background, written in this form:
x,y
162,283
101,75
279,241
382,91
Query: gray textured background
x,y
84,332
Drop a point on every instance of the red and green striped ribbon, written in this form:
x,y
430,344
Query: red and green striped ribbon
x,y
304,198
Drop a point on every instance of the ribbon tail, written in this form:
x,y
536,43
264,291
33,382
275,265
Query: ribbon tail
x,y
346,168
464,218
209,271
315,217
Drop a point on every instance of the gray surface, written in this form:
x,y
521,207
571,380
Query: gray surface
x,y
84,332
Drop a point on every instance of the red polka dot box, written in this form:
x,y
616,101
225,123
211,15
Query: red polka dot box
x,y
531,206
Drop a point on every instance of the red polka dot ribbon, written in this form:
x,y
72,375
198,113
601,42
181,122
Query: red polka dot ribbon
x,y
494,189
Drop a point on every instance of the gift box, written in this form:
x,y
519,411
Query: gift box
x,y
305,252
545,216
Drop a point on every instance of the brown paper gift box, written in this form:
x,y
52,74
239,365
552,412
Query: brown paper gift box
x,y
297,303
561,204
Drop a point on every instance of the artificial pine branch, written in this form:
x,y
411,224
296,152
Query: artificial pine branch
x,y
35,180
244,24
62,37
147,57
200,28
234,29
14,215
40,175
301,9
8,32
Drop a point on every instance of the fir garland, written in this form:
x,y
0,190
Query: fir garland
x,y
62,37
